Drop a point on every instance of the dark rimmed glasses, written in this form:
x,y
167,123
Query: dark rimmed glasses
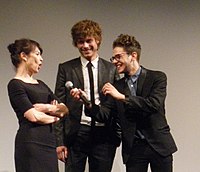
x,y
117,57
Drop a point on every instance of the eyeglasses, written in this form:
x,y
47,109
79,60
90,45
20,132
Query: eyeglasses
x,y
117,57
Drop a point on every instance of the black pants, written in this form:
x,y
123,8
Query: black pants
x,y
142,155
94,146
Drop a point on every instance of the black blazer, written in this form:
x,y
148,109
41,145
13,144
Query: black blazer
x,y
67,128
145,111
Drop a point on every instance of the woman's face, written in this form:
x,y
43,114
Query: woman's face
x,y
34,61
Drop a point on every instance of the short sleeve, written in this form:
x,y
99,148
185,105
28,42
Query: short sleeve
x,y
18,97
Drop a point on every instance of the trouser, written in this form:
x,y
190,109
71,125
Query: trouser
x,y
92,147
143,154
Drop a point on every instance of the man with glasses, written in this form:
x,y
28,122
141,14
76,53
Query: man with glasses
x,y
139,101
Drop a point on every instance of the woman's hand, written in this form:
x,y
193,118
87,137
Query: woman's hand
x,y
53,109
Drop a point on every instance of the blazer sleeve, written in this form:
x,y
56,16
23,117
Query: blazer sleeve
x,y
60,92
60,89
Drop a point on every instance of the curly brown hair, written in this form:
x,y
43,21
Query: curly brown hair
x,y
85,28
129,43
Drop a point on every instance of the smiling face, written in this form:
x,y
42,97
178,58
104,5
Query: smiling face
x,y
122,60
126,54
88,47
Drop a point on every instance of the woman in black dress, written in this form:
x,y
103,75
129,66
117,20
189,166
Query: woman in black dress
x,y
36,107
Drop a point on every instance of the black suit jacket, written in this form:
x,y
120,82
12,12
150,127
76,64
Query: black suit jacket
x,y
145,111
67,128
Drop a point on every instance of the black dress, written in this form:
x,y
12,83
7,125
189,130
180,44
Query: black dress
x,y
35,144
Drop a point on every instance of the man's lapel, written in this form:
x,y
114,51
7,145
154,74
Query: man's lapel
x,y
102,72
78,74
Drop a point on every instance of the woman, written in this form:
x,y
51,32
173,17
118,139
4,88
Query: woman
x,y
36,108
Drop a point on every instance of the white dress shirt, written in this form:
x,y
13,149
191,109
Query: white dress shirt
x,y
86,119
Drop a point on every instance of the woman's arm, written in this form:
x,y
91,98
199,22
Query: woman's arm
x,y
39,117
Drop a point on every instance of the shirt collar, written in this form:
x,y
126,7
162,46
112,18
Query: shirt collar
x,y
135,76
137,72
94,62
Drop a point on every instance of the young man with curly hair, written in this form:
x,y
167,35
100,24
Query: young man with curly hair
x,y
79,137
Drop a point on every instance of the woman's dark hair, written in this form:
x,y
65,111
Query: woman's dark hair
x,y
19,46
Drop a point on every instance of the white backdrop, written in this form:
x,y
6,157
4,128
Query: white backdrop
x,y
168,31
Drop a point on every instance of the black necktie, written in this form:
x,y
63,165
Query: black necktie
x,y
91,78
89,66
